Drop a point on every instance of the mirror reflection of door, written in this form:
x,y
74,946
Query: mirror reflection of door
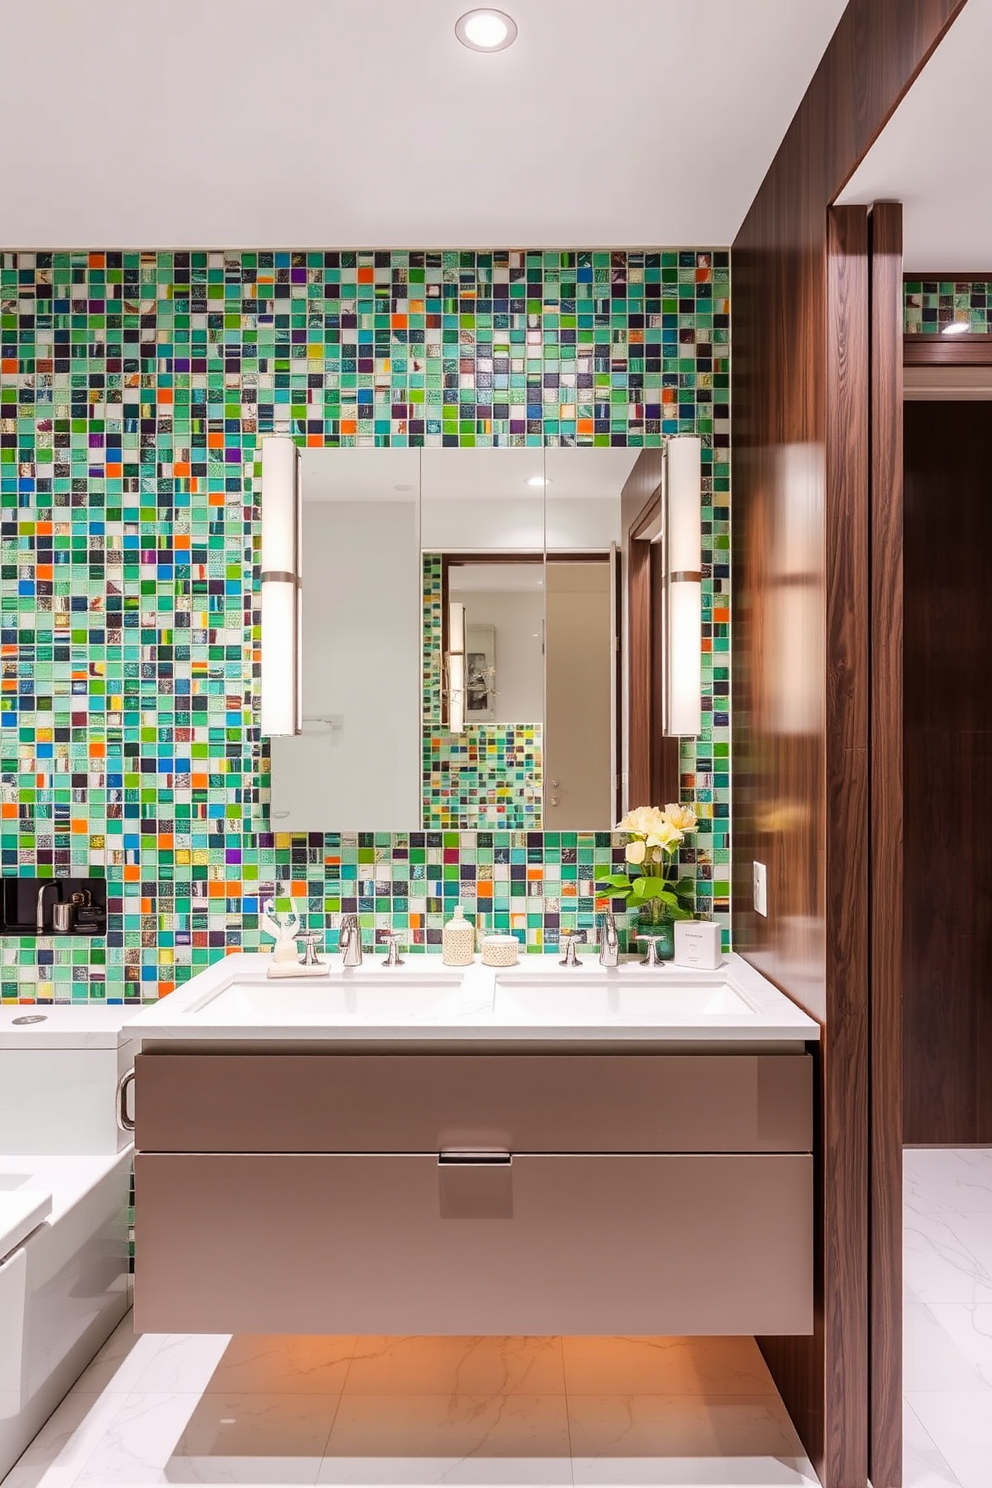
x,y
580,661
490,770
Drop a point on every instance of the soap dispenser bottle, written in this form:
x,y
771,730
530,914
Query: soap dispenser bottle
x,y
458,940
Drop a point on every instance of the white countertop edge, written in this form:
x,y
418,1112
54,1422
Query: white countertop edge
x,y
21,1211
777,1018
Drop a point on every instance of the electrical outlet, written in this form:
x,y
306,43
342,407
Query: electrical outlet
x,y
760,889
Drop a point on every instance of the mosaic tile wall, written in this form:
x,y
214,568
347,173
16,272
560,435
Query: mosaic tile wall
x,y
930,304
490,776
134,390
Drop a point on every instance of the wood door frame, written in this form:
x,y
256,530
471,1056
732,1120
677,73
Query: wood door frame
x,y
885,884
653,776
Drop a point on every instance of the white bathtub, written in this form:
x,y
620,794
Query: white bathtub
x,y
64,1179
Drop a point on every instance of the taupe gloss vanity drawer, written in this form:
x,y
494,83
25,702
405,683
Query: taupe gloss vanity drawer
x,y
327,1102
543,1244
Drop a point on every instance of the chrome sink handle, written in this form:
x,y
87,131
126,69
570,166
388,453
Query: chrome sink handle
x,y
573,938
652,958
393,957
309,957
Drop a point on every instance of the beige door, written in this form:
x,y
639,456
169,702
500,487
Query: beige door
x,y
579,670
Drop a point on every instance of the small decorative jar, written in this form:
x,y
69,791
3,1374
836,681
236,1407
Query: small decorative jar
x,y
500,950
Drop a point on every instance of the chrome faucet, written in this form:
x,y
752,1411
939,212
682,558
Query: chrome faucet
x,y
609,945
39,919
350,940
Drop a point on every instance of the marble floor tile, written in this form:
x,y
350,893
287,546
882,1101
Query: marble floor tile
x,y
175,1438
66,1441
932,1359
456,1366
970,1331
183,1363
922,1466
461,1439
959,1179
943,1260
679,1439
274,1364
121,1362
664,1366
960,1426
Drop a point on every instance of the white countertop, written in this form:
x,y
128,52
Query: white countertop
x,y
62,1025
423,1001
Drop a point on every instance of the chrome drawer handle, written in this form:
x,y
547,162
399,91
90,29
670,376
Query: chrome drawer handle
x,y
124,1121
474,1159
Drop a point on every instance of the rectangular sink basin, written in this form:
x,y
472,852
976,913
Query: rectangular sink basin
x,y
361,994
634,992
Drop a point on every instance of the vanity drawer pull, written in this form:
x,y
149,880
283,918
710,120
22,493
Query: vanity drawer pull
x,y
124,1121
475,1185
474,1159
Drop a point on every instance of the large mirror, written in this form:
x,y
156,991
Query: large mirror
x,y
464,640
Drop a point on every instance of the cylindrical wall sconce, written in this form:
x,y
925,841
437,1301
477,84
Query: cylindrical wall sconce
x,y
282,587
456,668
682,608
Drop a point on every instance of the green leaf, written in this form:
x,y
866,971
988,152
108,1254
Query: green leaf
x,y
617,881
686,888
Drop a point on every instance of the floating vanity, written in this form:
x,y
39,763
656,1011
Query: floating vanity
x,y
418,1150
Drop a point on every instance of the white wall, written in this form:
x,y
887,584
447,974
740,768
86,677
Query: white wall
x,y
361,667
519,622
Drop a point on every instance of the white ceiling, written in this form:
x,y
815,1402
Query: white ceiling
x,y
460,474
322,123
933,155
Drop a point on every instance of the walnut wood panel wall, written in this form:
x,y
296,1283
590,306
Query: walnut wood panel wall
x,y
801,694
948,766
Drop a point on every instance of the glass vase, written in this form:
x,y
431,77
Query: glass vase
x,y
655,918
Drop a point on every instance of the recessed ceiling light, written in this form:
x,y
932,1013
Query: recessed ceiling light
x,y
956,328
486,30
538,480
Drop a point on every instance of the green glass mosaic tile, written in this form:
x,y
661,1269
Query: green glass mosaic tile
x,y
931,304
134,389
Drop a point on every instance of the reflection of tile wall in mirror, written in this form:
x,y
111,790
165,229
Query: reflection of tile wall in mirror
x,y
489,775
